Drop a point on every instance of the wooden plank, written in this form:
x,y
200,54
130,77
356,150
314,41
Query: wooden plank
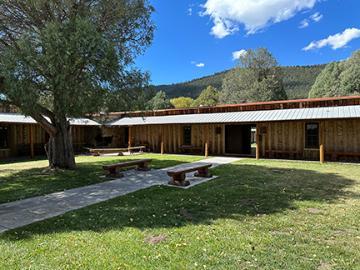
x,y
174,144
206,149
31,139
129,137
207,137
162,150
179,136
322,146
322,153
258,142
215,138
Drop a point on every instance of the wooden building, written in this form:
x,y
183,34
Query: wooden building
x,y
22,136
310,129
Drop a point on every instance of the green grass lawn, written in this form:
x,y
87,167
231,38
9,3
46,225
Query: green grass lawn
x,y
256,215
23,179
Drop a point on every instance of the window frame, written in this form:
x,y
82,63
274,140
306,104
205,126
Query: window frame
x,y
4,140
187,136
312,146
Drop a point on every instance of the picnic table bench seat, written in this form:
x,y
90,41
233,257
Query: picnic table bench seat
x,y
178,174
100,151
113,169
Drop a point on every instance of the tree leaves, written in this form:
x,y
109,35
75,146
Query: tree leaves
x,y
338,79
77,53
258,78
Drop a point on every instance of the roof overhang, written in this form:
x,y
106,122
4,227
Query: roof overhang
x,y
15,118
340,112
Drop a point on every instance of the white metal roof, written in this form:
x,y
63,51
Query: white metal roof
x,y
22,119
340,112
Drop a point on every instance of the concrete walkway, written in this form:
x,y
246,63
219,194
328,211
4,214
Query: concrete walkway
x,y
20,213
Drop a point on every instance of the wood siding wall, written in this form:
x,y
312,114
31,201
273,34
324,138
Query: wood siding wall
x,y
279,139
28,139
287,139
117,134
172,137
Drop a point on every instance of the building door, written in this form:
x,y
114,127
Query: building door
x,y
238,139
125,142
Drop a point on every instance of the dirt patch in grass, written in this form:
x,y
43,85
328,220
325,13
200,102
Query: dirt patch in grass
x,y
155,239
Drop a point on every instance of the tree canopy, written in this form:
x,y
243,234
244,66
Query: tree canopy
x,y
61,59
208,97
181,102
338,78
257,78
159,102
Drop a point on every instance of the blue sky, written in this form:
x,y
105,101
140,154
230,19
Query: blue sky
x,y
198,38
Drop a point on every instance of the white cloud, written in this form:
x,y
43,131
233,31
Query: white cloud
x,y
228,15
336,41
190,11
198,64
237,54
316,17
304,23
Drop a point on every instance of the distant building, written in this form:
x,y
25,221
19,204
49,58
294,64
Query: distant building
x,y
307,129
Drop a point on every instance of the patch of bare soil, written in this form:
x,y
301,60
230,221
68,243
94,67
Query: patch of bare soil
x,y
155,239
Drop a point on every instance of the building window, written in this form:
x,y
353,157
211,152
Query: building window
x,y
3,137
312,135
187,135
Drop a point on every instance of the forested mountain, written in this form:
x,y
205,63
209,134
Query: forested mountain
x,y
297,81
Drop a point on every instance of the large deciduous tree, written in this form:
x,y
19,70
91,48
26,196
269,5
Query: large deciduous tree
x,y
257,78
60,59
159,102
208,97
181,102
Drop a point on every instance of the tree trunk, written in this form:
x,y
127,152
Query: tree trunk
x,y
59,149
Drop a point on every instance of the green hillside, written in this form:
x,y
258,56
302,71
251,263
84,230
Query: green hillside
x,y
297,79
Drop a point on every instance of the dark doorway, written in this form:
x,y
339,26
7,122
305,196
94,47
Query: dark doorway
x,y
126,137
238,139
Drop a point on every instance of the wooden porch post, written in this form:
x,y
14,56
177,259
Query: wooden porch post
x,y
322,146
207,141
162,141
257,142
31,138
129,138
206,149
322,154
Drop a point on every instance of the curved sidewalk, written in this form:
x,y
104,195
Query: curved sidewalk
x,y
20,213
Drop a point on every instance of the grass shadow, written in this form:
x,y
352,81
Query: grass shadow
x,y
242,190
18,183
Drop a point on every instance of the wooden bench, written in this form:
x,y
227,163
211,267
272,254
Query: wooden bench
x,y
179,174
113,169
119,151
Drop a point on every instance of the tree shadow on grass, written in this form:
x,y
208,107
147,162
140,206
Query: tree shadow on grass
x,y
240,191
16,160
20,184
